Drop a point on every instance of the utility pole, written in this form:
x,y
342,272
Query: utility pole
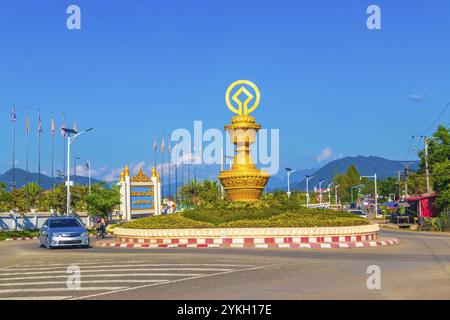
x,y
427,170
398,184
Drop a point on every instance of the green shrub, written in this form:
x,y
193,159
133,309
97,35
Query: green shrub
x,y
242,215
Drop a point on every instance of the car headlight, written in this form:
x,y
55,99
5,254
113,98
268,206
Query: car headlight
x,y
54,234
84,234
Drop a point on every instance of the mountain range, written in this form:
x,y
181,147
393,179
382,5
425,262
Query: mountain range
x,y
384,168
46,181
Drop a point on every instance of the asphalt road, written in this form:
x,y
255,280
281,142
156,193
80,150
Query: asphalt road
x,y
418,268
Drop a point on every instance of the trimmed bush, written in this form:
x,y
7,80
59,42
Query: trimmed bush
x,y
248,216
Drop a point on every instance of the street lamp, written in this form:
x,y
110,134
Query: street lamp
x,y
376,191
71,136
88,165
307,189
289,171
335,194
329,194
359,186
320,191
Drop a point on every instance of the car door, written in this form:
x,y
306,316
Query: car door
x,y
44,232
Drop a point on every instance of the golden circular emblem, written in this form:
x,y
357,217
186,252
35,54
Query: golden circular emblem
x,y
243,108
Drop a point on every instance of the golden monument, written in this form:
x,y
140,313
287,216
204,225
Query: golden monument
x,y
244,182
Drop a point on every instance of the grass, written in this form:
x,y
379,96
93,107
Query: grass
x,y
18,234
262,217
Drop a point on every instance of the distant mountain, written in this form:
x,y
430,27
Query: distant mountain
x,y
46,181
384,168
279,181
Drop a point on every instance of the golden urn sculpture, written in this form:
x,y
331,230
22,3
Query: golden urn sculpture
x,y
244,182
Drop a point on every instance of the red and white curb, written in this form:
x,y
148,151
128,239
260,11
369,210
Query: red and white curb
x,y
250,240
22,238
331,245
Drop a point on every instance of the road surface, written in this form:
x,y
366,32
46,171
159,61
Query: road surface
x,y
417,268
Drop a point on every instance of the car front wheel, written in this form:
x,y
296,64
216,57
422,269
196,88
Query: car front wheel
x,y
47,244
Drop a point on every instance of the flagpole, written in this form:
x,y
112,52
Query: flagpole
x,y
53,143
169,151
162,165
13,119
39,148
63,125
26,159
74,152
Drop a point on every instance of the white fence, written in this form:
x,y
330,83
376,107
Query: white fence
x,y
14,221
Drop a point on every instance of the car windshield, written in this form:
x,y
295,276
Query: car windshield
x,y
65,223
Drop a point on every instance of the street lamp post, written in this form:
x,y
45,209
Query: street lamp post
x,y
376,191
335,194
289,171
329,194
320,191
307,189
88,165
71,136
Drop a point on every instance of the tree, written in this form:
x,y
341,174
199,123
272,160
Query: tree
x,y
200,193
441,184
346,181
102,201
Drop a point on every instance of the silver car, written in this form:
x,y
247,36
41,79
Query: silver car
x,y
63,232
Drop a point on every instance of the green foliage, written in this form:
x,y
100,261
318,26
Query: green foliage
x,y
264,213
346,181
441,184
102,201
18,234
205,193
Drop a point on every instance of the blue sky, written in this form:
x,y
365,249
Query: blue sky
x,y
138,67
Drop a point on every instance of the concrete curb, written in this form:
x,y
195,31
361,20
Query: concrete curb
x,y
21,239
249,240
323,245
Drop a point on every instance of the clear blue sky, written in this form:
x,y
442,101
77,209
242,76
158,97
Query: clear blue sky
x,y
137,67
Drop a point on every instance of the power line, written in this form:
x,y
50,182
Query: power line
x,y
437,119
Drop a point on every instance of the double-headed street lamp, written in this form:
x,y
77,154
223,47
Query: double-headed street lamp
x,y
335,194
359,186
88,165
71,136
320,191
307,189
376,191
289,171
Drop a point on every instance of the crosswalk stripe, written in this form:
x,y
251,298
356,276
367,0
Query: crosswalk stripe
x,y
118,270
109,275
38,298
134,265
29,290
43,283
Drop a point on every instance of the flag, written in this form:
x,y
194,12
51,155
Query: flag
x,y
63,126
27,124
169,148
40,125
13,114
155,144
163,145
53,125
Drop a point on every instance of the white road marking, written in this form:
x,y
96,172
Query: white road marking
x,y
115,270
133,265
60,289
44,283
173,281
110,275
38,298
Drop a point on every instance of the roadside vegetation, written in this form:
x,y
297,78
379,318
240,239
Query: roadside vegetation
x,y
18,234
273,211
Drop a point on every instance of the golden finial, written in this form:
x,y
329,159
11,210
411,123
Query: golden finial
x,y
155,174
243,109
122,176
127,171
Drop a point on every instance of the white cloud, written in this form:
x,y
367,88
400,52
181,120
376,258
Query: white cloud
x,y
325,154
